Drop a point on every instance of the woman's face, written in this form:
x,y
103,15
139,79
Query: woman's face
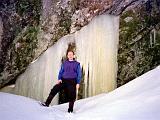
x,y
70,55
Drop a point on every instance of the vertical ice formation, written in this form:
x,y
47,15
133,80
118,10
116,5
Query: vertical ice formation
x,y
97,46
96,50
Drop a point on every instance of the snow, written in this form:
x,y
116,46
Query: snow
x,y
137,100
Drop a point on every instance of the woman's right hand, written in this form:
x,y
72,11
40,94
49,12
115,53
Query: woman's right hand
x,y
59,81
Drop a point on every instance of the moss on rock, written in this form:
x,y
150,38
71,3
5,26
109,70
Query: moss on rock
x,y
23,50
139,47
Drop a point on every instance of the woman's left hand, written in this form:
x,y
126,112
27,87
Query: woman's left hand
x,y
77,86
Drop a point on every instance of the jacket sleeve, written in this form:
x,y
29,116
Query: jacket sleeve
x,y
61,72
79,74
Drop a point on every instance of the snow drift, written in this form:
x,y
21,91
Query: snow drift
x,y
137,100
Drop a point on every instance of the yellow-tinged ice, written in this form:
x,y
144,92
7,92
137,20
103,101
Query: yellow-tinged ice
x,y
97,46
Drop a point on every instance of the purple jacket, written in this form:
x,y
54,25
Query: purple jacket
x,y
70,70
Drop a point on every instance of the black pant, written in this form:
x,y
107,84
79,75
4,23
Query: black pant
x,y
70,86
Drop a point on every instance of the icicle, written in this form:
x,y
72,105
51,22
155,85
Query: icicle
x,y
154,36
151,39
96,46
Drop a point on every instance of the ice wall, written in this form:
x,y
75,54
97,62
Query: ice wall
x,y
41,75
96,50
97,46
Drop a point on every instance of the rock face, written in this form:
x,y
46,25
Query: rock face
x,y
139,47
19,20
28,31
1,33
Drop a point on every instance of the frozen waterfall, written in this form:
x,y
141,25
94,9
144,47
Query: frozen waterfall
x,y
97,46
96,50
41,74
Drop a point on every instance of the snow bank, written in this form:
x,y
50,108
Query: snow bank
x,y
137,100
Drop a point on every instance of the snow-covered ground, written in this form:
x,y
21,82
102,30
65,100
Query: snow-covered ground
x,y
137,100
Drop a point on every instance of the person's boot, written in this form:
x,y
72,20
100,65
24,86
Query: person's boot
x,y
48,101
44,104
71,104
70,110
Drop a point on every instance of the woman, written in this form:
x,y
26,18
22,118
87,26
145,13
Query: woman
x,y
69,78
